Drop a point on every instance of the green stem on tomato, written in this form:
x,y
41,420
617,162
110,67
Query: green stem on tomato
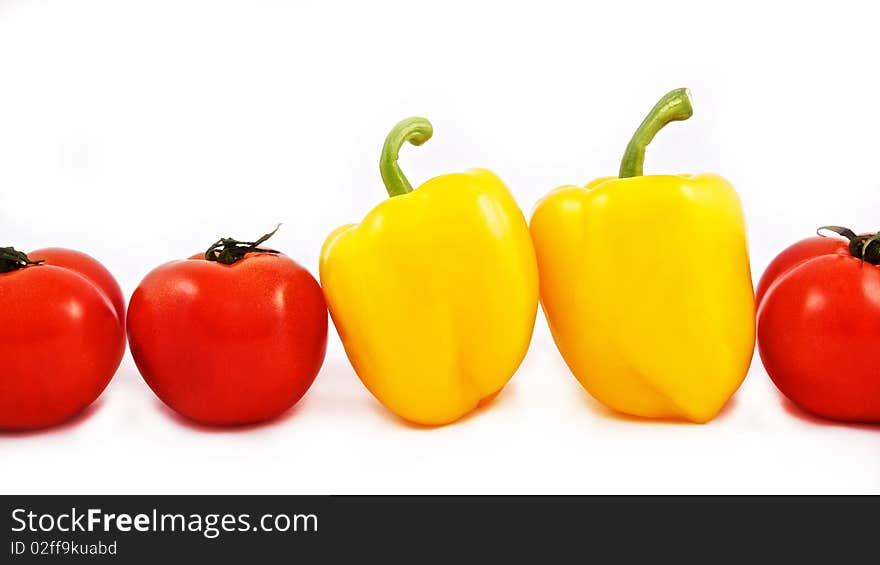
x,y
675,106
12,259
228,250
865,247
416,131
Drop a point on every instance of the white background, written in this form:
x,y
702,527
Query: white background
x,y
140,132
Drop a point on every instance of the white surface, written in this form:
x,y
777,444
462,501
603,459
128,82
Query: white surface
x,y
141,131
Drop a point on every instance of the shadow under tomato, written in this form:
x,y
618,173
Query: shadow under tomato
x,y
801,414
226,428
64,426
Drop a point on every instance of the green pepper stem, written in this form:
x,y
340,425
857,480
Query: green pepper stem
x,y
675,106
416,131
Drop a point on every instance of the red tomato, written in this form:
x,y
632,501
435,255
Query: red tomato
x,y
89,268
61,338
229,344
818,327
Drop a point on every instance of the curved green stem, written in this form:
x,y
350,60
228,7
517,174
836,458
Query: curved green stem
x,y
416,131
675,106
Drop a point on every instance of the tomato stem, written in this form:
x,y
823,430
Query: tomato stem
x,y
228,250
416,131
674,106
11,260
860,246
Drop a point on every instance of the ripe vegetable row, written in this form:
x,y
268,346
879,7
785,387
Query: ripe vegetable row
x,y
644,280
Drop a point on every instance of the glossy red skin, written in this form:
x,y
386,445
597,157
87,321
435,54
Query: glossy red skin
x,y
229,344
89,268
793,255
61,338
818,329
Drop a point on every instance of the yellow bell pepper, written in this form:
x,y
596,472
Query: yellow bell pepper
x,y
435,293
646,285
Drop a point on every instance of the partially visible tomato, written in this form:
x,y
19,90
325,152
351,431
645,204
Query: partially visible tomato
x,y
226,344
62,335
819,325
